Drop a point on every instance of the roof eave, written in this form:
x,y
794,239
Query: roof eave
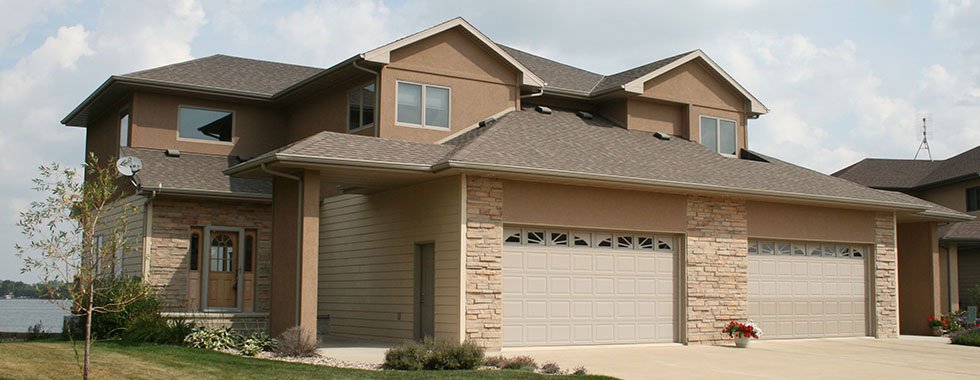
x,y
323,161
679,185
67,120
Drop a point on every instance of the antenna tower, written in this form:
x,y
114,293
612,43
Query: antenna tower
x,y
925,143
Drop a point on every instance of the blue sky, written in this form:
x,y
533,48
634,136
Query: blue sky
x,y
844,79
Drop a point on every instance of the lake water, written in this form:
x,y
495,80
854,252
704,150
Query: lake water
x,y
17,315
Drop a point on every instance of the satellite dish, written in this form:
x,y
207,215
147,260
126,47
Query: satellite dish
x,y
129,165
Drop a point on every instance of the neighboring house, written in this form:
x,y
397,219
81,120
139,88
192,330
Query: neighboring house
x,y
953,183
444,185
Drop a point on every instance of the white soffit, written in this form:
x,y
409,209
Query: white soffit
x,y
383,53
636,86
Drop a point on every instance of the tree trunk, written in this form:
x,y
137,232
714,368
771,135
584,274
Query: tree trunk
x,y
88,328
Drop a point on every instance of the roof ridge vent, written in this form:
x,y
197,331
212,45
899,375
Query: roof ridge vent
x,y
584,115
172,153
543,109
661,136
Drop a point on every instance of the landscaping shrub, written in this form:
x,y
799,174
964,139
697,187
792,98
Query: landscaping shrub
x,y
551,368
580,371
219,338
451,355
967,337
434,355
410,356
36,331
256,343
297,341
526,363
136,297
152,328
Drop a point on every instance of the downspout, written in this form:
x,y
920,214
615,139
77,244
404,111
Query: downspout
x,y
299,234
377,97
539,93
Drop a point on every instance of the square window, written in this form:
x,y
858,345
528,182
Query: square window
x,y
535,238
581,239
624,241
646,243
423,105
204,124
512,236
559,239
753,247
719,135
602,240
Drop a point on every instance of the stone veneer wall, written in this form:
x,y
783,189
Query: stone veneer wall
x,y
170,238
716,265
484,234
885,277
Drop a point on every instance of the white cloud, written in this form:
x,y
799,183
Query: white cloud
x,y
18,16
61,51
325,32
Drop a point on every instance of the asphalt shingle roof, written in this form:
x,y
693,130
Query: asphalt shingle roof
x,y
230,73
561,76
193,171
910,174
962,231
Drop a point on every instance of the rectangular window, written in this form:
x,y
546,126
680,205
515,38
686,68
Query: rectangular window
x,y
124,128
360,107
423,105
204,124
719,135
195,250
249,251
973,199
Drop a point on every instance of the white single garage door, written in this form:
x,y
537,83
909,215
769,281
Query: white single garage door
x,y
565,287
807,290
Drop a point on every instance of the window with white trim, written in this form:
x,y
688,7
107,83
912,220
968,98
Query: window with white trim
x,y
360,107
422,105
719,135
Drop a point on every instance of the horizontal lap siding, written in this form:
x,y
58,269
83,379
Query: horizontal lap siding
x,y
133,209
367,248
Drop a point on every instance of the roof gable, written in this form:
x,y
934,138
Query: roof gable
x,y
383,54
636,84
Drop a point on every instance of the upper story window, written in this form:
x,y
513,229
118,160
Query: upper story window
x,y
124,128
360,107
719,135
204,124
423,105
973,199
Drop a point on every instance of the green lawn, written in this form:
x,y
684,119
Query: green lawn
x,y
111,360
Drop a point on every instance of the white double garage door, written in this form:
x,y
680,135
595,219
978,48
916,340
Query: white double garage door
x,y
564,287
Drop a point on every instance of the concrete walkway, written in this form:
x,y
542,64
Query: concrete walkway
x,y
849,358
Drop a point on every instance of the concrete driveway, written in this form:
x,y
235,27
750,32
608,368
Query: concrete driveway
x,y
852,358
846,358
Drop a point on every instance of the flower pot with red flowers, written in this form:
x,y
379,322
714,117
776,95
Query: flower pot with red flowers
x,y
742,332
938,326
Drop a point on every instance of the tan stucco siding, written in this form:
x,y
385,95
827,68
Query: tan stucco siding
x,y
587,207
367,259
133,210
952,196
481,84
255,129
810,223
615,110
691,83
652,116
102,135
326,111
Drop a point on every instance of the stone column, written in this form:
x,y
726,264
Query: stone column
x,y
295,247
484,234
716,266
885,277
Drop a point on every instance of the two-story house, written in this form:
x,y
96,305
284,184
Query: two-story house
x,y
953,183
445,185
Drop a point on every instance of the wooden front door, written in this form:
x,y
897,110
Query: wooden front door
x,y
223,269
